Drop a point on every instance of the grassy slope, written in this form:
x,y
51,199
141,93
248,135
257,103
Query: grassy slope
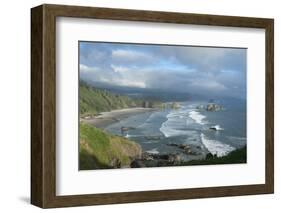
x,y
100,150
93,101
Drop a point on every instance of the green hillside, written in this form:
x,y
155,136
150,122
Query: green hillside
x,y
101,150
93,100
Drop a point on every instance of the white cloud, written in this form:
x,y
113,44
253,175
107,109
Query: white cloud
x,y
87,69
130,83
84,68
119,76
130,56
120,69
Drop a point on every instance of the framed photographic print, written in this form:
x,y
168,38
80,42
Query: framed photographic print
x,y
136,106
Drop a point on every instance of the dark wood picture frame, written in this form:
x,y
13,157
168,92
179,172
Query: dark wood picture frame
x,y
43,105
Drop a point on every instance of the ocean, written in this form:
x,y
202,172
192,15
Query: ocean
x,y
157,132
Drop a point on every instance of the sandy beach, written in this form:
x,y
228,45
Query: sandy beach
x,y
106,118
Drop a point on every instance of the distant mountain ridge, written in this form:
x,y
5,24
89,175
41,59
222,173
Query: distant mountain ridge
x,y
148,94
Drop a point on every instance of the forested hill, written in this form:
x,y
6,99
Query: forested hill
x,y
93,100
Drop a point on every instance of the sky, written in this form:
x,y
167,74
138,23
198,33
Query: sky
x,y
191,69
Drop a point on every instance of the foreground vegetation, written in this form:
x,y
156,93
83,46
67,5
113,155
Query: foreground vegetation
x,y
100,150
236,156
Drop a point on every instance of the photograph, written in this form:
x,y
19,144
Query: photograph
x,y
150,105
170,105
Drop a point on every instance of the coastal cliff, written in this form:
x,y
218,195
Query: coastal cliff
x,y
93,101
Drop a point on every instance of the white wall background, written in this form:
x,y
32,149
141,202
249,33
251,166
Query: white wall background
x,y
15,105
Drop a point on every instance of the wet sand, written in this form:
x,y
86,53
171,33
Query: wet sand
x,y
106,118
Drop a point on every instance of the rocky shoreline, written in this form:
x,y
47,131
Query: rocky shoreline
x,y
168,159
163,160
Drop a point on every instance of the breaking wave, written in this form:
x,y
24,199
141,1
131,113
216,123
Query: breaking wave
x,y
216,147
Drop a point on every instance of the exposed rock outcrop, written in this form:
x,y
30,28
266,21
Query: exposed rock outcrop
x,y
213,107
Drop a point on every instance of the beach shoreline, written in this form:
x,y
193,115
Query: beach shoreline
x,y
105,119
